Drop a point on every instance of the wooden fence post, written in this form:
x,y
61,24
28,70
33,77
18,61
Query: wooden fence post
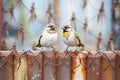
x,y
11,67
117,67
79,64
108,66
20,68
29,68
94,66
43,67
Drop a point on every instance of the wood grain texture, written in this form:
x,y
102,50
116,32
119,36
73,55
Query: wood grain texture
x,y
73,67
50,70
117,69
35,68
106,72
79,64
43,67
94,68
108,67
3,68
20,69
63,70
83,69
29,68
11,67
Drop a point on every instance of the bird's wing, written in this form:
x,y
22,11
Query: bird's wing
x,y
39,45
78,38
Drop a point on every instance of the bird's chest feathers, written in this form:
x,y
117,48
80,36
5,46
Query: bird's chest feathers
x,y
51,31
66,34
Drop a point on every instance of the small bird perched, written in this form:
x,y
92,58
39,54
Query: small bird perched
x,y
49,36
71,37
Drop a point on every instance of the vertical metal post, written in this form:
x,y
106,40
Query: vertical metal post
x,y
43,67
29,68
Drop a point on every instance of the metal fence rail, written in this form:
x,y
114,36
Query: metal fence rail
x,y
35,65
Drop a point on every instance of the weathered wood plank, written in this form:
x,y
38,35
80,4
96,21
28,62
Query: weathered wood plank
x,y
117,75
3,68
79,64
94,67
20,68
0,68
43,66
83,69
36,67
11,67
108,66
74,71
63,70
29,68
49,65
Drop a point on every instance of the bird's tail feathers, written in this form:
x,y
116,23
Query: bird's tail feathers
x,y
38,45
81,45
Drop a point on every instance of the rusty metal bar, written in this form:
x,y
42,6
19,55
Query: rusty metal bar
x,y
117,75
43,67
83,68
56,68
73,64
79,64
29,68
11,67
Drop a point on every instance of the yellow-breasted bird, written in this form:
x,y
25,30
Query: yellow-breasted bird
x,y
71,37
49,36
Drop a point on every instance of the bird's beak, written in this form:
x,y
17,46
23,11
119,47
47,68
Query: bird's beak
x,y
53,28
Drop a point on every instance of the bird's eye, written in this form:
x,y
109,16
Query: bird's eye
x,y
50,26
67,27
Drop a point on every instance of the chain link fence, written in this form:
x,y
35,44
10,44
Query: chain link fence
x,y
68,65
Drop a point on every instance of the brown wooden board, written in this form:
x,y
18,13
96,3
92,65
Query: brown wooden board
x,y
50,66
11,67
35,71
63,70
3,68
20,68
94,68
49,69
106,71
117,75
79,64
108,67
29,68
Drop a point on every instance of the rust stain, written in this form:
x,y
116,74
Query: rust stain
x,y
29,68
79,71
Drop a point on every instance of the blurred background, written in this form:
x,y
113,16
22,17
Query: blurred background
x,y
97,22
